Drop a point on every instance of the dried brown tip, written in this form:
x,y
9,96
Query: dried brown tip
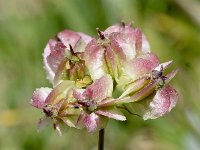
x,y
123,23
71,49
101,35
57,39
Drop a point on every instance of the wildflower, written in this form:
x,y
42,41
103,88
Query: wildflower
x,y
124,53
57,105
154,100
63,57
97,103
93,77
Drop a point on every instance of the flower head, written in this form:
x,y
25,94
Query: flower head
x,y
63,57
97,103
57,105
125,54
92,78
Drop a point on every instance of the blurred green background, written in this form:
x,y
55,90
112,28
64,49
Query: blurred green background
x,y
171,26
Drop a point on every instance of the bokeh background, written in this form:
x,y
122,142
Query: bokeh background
x,y
171,26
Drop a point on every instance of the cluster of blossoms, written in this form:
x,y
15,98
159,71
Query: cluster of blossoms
x,y
94,78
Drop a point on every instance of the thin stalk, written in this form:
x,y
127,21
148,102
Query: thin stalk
x,y
101,140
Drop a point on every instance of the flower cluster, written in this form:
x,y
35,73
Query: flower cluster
x,y
93,78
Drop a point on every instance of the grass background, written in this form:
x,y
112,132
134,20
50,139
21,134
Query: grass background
x,y
171,26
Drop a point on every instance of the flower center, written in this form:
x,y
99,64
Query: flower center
x,y
50,111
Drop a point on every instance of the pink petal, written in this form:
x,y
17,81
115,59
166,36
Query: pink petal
x,y
59,73
142,65
92,122
100,89
145,45
69,37
113,102
126,43
53,55
138,39
134,86
154,107
114,28
131,41
60,92
77,40
143,93
84,37
173,96
77,94
111,62
164,100
120,27
55,58
141,44
116,47
47,51
94,59
111,113
159,105
82,43
80,122
39,97
107,102
150,87
70,120
59,106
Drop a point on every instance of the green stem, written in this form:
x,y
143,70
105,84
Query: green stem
x,y
101,140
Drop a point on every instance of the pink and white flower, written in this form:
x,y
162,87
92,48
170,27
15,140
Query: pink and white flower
x,y
56,104
97,103
65,53
93,77
124,53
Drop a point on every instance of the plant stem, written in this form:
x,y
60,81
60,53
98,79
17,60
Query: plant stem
x,y
101,140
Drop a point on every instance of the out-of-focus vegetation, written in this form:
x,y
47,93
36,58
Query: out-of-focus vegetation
x,y
173,29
